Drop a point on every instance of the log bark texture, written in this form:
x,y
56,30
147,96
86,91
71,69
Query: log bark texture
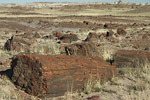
x,y
131,58
47,75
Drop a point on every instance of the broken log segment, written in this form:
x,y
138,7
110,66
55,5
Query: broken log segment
x,y
47,75
131,59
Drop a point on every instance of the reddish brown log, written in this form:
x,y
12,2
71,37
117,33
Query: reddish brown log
x,y
131,58
48,75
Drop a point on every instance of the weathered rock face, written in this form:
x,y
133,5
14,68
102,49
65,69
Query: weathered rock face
x,y
131,58
46,75
84,49
18,43
121,31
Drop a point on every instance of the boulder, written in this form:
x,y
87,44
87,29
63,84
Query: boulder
x,y
49,76
131,58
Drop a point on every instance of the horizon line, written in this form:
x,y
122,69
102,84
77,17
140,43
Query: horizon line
x,y
70,2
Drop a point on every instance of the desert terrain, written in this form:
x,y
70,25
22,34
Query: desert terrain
x,y
61,44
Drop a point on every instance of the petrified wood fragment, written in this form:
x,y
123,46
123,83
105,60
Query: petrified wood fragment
x,y
131,58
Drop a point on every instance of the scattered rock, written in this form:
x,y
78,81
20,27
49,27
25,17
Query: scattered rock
x,y
48,37
107,25
49,76
57,34
1,63
31,35
109,33
94,98
86,22
147,49
146,36
91,37
121,31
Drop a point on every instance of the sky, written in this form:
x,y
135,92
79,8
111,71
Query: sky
x,y
26,1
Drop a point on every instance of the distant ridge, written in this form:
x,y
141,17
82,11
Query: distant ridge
x,y
60,4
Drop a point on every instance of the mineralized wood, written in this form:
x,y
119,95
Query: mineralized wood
x,y
131,58
45,75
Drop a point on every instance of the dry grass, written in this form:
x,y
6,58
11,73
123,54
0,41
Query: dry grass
x,y
46,47
9,92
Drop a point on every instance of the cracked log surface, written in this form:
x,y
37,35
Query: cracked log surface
x,y
49,76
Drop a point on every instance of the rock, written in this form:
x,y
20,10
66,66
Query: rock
x,y
94,98
107,25
84,49
109,33
131,58
86,22
57,34
49,76
2,63
68,38
18,43
146,36
48,37
31,35
91,37
147,49
121,31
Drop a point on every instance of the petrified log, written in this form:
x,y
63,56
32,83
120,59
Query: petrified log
x,y
68,38
18,43
84,49
131,58
47,75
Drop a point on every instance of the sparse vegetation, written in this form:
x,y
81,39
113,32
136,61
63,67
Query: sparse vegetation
x,y
46,19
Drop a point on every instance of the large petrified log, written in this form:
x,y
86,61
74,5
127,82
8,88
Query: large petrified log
x,y
48,75
131,58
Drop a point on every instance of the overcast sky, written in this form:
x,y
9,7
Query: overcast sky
x,y
24,1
